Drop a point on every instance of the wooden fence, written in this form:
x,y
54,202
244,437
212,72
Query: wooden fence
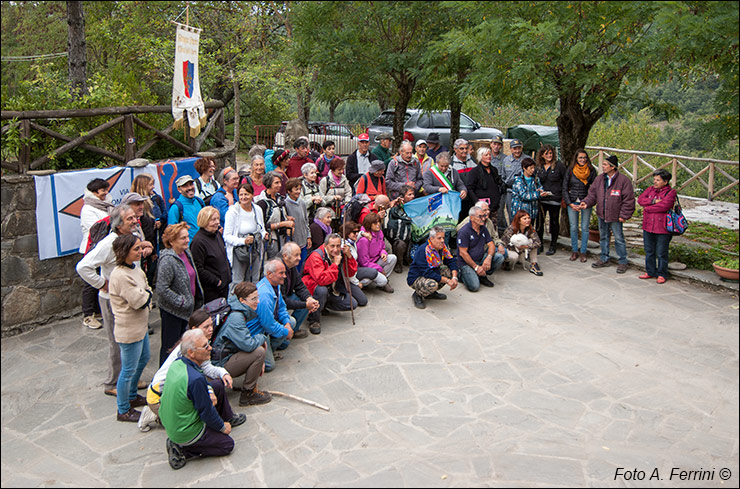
x,y
28,121
718,181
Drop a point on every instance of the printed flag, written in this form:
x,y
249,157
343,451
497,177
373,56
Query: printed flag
x,y
433,210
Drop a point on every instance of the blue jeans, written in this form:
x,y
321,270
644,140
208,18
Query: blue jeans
x,y
585,220
299,315
304,255
656,249
605,230
134,357
275,344
471,280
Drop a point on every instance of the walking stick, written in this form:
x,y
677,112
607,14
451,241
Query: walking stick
x,y
347,284
300,399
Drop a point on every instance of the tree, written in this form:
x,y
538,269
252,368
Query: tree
x,y
76,49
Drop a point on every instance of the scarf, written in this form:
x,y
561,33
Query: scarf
x,y
323,226
337,179
433,256
582,172
95,202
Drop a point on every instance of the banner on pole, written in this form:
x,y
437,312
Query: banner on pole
x,y
59,199
433,210
186,82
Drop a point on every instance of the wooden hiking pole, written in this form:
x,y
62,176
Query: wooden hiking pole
x,y
347,284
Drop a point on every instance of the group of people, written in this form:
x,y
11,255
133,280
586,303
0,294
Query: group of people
x,y
274,250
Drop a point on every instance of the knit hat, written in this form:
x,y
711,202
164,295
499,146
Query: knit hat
x,y
613,161
376,165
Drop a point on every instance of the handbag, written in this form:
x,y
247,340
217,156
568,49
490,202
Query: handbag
x,y
242,253
675,221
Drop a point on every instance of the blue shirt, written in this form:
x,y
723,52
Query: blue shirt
x,y
191,208
476,243
272,314
219,202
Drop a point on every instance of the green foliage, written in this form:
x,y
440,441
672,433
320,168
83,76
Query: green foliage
x,y
694,257
731,263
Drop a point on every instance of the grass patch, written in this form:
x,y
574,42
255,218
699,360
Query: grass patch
x,y
714,236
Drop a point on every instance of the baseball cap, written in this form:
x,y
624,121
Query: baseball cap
x,y
421,141
515,143
363,137
132,197
183,180
497,139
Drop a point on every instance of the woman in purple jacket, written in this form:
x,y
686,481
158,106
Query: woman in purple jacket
x,y
656,202
371,252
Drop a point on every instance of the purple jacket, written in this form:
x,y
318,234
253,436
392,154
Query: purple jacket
x,y
653,215
615,203
368,251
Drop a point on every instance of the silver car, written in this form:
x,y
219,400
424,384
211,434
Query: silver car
x,y
418,124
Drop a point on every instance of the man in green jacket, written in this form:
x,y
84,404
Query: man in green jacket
x,y
383,150
194,427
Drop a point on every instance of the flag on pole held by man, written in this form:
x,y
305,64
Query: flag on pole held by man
x,y
433,210
186,98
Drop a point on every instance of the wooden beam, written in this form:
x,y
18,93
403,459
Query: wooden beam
x,y
203,135
10,166
24,157
162,135
130,138
88,147
726,188
74,143
153,141
65,113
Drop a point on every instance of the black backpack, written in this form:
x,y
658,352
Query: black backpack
x,y
207,200
219,310
354,207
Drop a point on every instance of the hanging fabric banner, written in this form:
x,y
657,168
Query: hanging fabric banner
x,y
186,82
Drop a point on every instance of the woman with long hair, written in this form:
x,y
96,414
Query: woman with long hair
x,y
551,173
153,221
524,248
578,179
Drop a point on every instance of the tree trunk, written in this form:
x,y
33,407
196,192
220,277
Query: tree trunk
x,y
574,126
237,129
333,104
76,50
455,109
405,88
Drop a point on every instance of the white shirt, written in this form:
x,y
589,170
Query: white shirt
x,y
238,223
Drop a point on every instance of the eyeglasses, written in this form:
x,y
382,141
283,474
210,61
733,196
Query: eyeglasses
x,y
208,345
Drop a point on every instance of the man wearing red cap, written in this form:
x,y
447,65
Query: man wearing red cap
x,y
358,163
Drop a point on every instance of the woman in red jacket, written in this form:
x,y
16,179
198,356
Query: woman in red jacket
x,y
656,202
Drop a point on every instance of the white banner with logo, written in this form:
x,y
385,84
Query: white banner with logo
x,y
186,82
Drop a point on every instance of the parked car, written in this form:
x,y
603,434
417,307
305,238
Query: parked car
x,y
345,142
418,124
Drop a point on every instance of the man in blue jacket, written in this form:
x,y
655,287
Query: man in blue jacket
x,y
187,206
432,268
272,314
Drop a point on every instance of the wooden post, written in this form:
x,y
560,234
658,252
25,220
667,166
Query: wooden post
x,y
24,158
130,137
674,169
221,127
710,192
634,170
601,160
237,114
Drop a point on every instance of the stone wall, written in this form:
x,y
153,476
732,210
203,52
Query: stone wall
x,y
34,292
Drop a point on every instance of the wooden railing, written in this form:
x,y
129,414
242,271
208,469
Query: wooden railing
x,y
27,120
678,165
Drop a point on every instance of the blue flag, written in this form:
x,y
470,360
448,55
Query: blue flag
x,y
433,210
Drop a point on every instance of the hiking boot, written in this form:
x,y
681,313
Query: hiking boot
x,y
315,328
147,417
138,401
238,419
91,322
535,269
573,256
398,268
418,301
253,397
600,264
132,415
551,251
386,288
437,296
300,334
175,456
582,257
485,282
621,268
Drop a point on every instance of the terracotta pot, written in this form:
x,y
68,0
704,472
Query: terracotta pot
x,y
593,235
726,273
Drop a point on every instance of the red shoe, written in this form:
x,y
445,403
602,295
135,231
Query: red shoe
x,y
645,276
661,280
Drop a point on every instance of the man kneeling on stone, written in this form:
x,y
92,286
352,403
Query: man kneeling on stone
x,y
432,268
272,315
295,293
475,252
325,281
194,427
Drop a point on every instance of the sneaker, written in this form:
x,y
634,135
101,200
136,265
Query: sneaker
x,y
175,456
600,264
315,328
438,296
91,322
147,417
645,276
254,397
132,415
110,392
485,282
621,268
387,288
661,280
300,334
238,419
418,301
573,256
139,401
535,269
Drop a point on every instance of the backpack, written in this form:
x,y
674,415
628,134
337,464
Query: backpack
x,y
398,225
207,200
219,310
354,207
181,207
98,231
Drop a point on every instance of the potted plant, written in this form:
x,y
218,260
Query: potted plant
x,y
593,228
727,268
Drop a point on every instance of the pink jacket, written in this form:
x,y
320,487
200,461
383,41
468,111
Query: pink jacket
x,y
368,251
653,215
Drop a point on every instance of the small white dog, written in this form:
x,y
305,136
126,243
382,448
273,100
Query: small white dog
x,y
520,239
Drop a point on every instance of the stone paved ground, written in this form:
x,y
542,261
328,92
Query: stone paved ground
x,y
552,381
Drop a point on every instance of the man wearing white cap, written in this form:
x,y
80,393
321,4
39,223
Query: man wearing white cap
x,y
425,160
358,163
187,206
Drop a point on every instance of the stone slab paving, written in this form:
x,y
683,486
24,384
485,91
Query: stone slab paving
x,y
552,381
